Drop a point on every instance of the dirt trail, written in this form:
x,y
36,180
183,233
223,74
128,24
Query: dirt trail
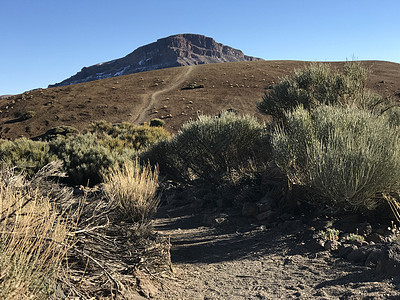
x,y
234,261
151,99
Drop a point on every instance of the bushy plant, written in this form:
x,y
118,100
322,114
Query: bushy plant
x,y
133,188
208,148
27,155
320,84
348,157
118,136
84,158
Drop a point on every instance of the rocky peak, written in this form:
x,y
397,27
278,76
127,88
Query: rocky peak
x,y
173,51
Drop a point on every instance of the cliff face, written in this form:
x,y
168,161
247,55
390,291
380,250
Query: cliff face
x,y
172,51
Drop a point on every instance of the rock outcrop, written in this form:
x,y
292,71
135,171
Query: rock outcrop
x,y
172,51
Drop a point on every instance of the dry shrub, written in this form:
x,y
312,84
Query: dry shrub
x,y
33,240
133,188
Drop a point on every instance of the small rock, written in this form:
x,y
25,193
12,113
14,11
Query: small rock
x,y
249,209
373,257
331,245
215,219
345,250
146,287
376,238
359,255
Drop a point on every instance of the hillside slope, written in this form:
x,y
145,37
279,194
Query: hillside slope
x,y
143,96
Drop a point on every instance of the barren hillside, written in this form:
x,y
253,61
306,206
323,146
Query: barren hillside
x,y
143,96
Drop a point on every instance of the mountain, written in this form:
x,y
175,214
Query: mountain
x,y
173,51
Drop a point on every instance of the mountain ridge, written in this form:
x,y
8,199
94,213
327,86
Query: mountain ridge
x,y
172,51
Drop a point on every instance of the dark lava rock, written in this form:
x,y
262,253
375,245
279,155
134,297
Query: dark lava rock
x,y
360,254
389,262
373,257
345,250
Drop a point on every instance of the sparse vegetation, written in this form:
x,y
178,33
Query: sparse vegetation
x,y
320,84
84,158
33,240
26,155
133,188
330,234
118,136
346,156
209,148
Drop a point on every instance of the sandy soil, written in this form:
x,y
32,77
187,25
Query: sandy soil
x,y
238,260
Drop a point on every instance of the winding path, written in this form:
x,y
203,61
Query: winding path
x,y
153,97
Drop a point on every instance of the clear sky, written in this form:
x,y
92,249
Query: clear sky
x,y
47,41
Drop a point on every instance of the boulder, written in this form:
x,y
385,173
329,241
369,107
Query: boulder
x,y
389,262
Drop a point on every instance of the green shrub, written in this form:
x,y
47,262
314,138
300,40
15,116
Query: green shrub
x,y
347,157
84,158
118,136
320,84
26,155
208,148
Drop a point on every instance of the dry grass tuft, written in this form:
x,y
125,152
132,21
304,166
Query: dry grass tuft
x,y
133,188
33,240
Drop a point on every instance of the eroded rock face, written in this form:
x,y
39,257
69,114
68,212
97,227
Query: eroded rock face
x,y
173,51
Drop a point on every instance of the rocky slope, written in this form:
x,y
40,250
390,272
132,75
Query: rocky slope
x,y
172,51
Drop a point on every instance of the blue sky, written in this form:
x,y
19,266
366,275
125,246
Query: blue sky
x,y
46,41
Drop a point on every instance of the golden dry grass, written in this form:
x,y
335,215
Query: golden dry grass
x,y
33,242
133,188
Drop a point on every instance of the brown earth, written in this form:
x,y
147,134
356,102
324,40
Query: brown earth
x,y
237,259
143,96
